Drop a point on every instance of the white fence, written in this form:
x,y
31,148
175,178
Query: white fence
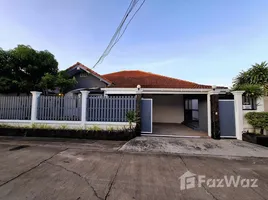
x,y
75,112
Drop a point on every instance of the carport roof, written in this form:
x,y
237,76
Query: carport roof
x,y
132,78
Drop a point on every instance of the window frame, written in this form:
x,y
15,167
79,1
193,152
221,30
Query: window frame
x,y
83,74
249,101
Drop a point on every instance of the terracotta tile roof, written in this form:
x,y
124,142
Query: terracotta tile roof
x,y
89,70
130,79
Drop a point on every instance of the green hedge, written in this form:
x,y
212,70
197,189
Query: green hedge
x,y
258,120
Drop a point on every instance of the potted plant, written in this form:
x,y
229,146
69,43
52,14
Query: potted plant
x,y
258,120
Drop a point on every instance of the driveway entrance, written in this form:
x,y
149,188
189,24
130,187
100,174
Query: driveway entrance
x,y
176,130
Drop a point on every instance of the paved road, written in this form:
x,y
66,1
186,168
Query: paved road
x,y
79,171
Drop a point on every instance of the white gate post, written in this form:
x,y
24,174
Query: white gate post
x,y
84,107
238,109
35,100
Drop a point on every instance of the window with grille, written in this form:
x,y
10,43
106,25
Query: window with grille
x,y
84,74
249,103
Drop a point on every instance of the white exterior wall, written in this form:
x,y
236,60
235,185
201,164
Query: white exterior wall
x,y
168,108
265,103
260,108
66,124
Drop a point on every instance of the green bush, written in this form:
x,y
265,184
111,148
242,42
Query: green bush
x,y
258,120
255,91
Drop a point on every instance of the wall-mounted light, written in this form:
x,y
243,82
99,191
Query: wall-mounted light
x,y
138,87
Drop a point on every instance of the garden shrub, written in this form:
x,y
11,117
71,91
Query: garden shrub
x,y
258,120
131,117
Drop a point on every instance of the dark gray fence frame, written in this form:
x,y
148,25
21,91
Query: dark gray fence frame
x,y
59,108
15,107
56,108
110,109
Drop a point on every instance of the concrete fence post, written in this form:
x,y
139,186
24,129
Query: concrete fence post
x,y
84,107
238,108
35,101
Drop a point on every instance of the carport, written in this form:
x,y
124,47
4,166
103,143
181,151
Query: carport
x,y
178,113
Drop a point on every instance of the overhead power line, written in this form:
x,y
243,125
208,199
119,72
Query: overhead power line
x,y
118,35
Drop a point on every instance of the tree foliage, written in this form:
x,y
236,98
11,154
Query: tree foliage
x,y
60,82
257,74
6,75
254,81
22,68
48,82
254,91
64,82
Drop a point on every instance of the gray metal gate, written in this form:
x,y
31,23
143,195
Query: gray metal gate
x,y
146,115
227,118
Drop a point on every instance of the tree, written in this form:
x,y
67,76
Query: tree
x,y
64,82
6,76
48,82
61,81
25,67
251,90
257,75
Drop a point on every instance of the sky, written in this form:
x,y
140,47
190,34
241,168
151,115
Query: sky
x,y
203,41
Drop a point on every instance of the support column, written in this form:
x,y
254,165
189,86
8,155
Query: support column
x,y
84,107
138,114
209,115
215,120
238,109
35,102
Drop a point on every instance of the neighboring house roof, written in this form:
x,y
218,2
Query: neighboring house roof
x,y
132,78
85,68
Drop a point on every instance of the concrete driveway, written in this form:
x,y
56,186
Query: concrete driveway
x,y
195,146
73,170
176,130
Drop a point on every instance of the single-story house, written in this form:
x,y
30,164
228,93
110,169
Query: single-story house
x,y
169,106
174,101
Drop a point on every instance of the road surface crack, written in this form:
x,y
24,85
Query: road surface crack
x,y
34,167
206,190
79,175
114,178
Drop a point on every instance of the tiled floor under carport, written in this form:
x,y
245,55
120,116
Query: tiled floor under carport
x,y
176,130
